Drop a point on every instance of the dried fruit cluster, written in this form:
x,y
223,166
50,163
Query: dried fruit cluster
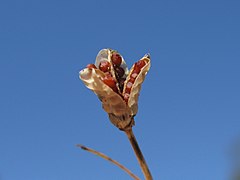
x,y
116,87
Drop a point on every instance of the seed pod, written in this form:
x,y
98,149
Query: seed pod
x,y
117,89
136,79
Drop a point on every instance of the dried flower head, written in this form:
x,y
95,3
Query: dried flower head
x,y
117,87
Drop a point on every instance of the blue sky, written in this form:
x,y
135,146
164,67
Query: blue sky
x,y
188,120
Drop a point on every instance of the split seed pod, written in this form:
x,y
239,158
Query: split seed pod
x,y
117,87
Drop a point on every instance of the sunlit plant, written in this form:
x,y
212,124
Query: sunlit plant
x,y
118,89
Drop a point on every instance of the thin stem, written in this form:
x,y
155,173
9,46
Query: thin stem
x,y
109,159
139,154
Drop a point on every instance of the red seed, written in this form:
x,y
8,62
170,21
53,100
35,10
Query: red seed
x,y
91,66
131,80
119,71
129,85
108,80
140,64
121,83
136,69
108,74
126,97
121,80
104,66
116,59
127,90
134,75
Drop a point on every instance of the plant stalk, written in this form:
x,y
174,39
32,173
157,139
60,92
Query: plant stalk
x,y
139,155
110,160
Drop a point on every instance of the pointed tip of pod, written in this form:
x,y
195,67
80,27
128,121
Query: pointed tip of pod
x,y
147,55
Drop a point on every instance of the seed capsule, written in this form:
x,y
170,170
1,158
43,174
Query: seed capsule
x,y
118,93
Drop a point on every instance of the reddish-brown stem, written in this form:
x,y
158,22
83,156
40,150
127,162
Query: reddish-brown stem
x,y
138,154
109,159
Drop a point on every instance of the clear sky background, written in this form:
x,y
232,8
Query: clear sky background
x,y
189,107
